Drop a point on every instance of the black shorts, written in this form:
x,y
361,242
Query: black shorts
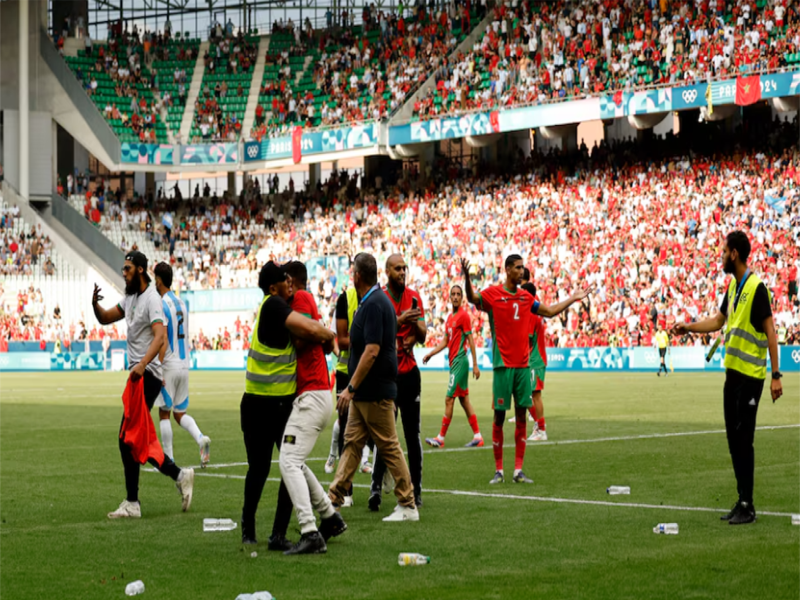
x,y
662,352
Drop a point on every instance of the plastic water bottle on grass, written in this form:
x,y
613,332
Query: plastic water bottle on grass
x,y
666,528
135,588
412,559
218,524
795,519
616,490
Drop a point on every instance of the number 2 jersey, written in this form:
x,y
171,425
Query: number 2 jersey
x,y
510,321
177,321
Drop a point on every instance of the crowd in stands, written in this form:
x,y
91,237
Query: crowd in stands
x,y
28,316
535,52
643,222
357,73
21,251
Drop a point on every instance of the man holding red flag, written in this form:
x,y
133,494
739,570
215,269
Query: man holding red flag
x,y
141,308
748,90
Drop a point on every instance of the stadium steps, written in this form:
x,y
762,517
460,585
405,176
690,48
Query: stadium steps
x,y
194,91
72,244
255,87
406,112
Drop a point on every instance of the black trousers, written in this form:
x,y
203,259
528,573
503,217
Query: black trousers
x,y
409,388
263,420
152,387
741,397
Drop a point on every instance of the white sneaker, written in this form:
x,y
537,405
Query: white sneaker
x,y
530,418
366,467
538,435
388,482
348,502
185,485
512,420
205,451
127,510
330,464
403,513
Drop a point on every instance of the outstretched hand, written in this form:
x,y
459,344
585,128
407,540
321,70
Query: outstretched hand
x,y
584,292
96,297
465,266
679,329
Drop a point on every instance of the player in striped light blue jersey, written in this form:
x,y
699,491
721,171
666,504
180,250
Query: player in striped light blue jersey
x,y
175,361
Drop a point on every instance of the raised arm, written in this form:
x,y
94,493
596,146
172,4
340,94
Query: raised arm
x,y
472,297
554,309
105,316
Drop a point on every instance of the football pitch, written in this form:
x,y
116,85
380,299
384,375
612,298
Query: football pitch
x,y
562,537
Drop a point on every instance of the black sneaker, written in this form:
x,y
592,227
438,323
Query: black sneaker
x,y
248,532
374,501
279,542
249,539
310,543
728,516
418,501
743,514
332,526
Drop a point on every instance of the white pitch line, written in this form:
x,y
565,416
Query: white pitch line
x,y
536,498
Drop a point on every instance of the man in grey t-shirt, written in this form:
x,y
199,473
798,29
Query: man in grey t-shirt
x,y
141,308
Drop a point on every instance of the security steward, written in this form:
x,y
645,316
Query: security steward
x,y
749,334
270,388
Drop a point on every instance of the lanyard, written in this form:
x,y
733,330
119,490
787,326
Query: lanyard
x,y
739,289
372,289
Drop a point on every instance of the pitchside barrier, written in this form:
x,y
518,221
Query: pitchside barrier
x,y
558,359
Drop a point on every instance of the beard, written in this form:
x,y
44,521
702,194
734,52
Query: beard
x,y
729,267
132,287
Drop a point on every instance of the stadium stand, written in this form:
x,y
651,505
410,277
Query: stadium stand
x,y
534,52
628,216
173,67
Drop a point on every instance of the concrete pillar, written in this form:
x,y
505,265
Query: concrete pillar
x,y
232,183
24,107
150,184
315,175
427,157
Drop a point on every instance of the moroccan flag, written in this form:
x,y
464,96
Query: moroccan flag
x,y
748,90
137,429
297,144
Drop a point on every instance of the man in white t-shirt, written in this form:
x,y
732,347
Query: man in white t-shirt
x,y
141,308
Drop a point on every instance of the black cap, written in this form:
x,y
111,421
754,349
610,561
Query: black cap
x,y
139,260
271,273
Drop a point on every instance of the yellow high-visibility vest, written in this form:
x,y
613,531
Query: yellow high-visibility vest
x,y
352,305
745,347
270,371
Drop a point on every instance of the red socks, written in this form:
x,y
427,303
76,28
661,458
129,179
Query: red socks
x,y
445,427
540,423
473,422
497,446
520,433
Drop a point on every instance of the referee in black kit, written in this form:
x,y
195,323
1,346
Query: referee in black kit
x,y
749,334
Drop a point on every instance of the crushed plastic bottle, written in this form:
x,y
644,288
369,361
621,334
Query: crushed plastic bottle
x,y
666,528
616,490
218,524
795,519
134,588
412,559
256,596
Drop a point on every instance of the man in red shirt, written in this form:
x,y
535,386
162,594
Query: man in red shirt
x,y
310,414
458,334
510,310
411,330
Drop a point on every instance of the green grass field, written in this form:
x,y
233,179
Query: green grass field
x,y
61,473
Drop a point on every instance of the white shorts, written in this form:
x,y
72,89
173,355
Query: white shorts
x,y
175,392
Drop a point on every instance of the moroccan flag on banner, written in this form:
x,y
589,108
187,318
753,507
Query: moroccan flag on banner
x,y
748,90
297,144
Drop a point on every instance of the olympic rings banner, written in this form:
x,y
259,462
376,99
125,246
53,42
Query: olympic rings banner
x,y
682,358
313,142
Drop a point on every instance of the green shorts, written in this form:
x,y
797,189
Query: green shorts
x,y
510,382
458,384
537,377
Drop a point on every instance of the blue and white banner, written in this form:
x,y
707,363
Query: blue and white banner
x,y
442,129
313,142
242,299
559,359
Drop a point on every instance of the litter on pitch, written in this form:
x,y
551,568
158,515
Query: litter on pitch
x,y
256,596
